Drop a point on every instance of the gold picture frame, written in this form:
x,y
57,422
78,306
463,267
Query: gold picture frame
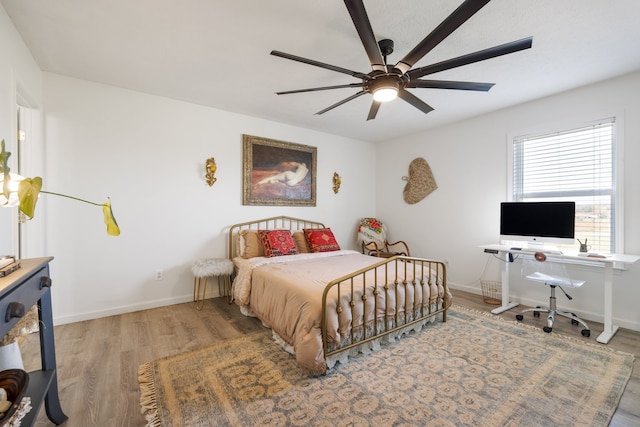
x,y
278,173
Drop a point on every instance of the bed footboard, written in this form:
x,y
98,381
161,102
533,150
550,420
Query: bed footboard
x,y
382,299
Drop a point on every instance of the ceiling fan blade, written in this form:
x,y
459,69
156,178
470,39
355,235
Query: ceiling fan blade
x,y
373,111
415,101
459,16
314,89
470,58
320,64
363,27
445,84
337,104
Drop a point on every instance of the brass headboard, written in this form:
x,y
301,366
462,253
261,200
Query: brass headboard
x,y
273,223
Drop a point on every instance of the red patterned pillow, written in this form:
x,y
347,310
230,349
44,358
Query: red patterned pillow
x,y
277,243
321,240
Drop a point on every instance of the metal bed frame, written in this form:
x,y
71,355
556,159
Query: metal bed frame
x,y
387,276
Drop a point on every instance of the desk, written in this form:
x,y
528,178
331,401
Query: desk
x,y
19,291
613,259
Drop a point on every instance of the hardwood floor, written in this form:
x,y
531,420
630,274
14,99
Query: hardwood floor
x,y
98,359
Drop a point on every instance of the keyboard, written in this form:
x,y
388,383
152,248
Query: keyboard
x,y
552,252
546,251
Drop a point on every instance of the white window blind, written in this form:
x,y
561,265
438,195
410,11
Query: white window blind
x,y
572,165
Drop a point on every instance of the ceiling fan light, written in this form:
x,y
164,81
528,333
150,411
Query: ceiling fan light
x,y
385,94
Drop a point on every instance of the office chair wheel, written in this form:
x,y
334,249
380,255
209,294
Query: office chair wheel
x,y
586,333
547,329
536,314
519,316
574,322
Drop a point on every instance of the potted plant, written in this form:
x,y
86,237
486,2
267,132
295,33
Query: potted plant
x,y
24,192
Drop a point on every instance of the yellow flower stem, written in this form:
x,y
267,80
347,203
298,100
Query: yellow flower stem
x,y
71,197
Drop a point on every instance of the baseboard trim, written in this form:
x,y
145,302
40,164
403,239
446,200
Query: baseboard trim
x,y
586,315
90,315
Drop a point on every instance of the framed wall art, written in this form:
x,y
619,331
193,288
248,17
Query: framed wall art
x,y
278,173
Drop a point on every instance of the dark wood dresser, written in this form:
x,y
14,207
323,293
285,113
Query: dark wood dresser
x,y
19,291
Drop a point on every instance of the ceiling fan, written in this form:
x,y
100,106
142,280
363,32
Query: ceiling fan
x,y
386,82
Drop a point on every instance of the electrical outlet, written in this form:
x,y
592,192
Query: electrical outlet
x,y
159,275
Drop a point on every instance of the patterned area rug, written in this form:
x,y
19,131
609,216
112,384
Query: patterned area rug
x,y
475,370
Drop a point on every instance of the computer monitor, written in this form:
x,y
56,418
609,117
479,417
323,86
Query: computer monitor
x,y
538,223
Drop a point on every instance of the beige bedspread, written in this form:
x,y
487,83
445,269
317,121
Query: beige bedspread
x,y
286,294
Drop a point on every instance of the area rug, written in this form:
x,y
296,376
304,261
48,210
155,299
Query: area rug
x,y
476,369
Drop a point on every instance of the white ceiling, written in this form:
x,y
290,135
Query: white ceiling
x,y
216,53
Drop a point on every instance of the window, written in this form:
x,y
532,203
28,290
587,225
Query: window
x,y
572,165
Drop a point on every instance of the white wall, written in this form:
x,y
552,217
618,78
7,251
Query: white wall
x,y
20,77
469,161
148,153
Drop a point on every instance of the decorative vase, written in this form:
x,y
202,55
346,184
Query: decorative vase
x,y
10,357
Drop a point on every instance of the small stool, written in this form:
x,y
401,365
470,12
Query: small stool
x,y
203,268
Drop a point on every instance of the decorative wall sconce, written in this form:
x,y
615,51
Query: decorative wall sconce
x,y
210,167
336,182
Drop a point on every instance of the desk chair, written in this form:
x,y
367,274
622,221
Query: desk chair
x,y
546,274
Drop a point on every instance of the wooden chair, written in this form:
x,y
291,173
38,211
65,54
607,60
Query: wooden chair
x,y
372,236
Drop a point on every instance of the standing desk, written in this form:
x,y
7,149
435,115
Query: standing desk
x,y
607,262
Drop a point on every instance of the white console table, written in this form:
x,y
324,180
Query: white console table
x,y
608,262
